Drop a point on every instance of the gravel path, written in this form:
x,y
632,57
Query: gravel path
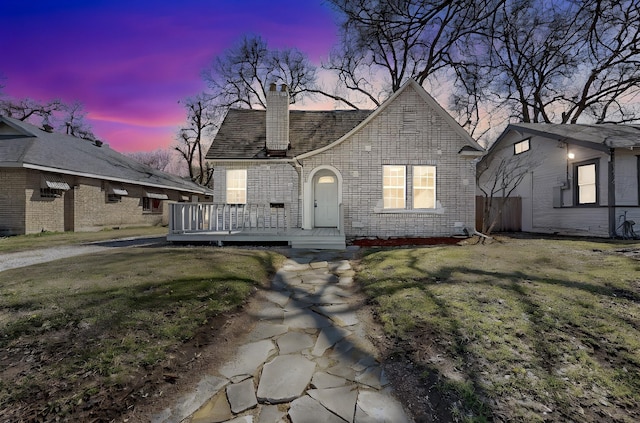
x,y
28,258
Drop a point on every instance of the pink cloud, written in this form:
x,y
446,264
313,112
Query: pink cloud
x,y
131,63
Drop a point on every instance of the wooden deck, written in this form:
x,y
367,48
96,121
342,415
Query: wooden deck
x,y
195,222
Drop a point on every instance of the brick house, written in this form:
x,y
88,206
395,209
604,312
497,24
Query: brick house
x,y
405,169
56,182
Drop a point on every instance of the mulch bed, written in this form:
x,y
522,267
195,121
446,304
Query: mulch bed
x,y
399,242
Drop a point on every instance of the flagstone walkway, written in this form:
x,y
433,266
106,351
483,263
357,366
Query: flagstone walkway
x,y
306,360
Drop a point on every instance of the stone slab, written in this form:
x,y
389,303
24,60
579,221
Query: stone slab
x,y
322,380
271,414
306,319
248,359
319,264
216,410
265,330
285,378
341,314
270,312
190,403
328,337
377,407
242,396
341,401
294,342
244,419
371,377
278,297
308,410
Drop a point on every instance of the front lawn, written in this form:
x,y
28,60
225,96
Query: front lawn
x,y
80,336
519,330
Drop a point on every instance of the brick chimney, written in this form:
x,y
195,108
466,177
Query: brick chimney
x,y
277,120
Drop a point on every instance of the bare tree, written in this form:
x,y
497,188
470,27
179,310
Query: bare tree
x,y
241,75
563,62
393,40
159,159
203,117
25,109
498,176
75,123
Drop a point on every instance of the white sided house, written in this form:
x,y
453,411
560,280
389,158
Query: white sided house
x,y
580,179
315,178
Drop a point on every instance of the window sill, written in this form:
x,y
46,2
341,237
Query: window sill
x,y
409,211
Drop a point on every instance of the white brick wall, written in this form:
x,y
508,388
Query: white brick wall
x,y
408,132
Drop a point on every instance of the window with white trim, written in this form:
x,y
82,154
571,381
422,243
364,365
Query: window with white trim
x,y
237,186
394,187
424,187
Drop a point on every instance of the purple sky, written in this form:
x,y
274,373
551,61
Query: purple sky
x,y
130,62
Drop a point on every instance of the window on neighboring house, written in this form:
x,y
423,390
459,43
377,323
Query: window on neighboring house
x,y
237,186
51,193
521,147
424,187
151,205
586,183
113,198
393,187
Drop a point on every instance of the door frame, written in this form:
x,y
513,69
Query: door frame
x,y
308,215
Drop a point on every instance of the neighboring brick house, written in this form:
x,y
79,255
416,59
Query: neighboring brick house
x,y
56,182
406,169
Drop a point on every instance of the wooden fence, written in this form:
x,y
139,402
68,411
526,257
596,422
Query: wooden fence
x,y
511,219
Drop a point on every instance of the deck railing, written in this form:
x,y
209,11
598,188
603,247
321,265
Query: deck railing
x,y
198,217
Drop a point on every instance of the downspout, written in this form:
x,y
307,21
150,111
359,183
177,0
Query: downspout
x,y
611,193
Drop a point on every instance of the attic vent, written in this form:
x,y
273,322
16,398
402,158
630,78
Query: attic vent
x,y
98,143
47,128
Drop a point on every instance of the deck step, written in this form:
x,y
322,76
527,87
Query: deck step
x,y
325,243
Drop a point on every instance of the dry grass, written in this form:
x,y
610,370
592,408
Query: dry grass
x,y
56,239
521,330
78,334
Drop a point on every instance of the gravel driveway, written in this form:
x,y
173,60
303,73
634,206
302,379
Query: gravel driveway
x,y
28,258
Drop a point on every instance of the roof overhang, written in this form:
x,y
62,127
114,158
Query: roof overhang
x,y
108,178
557,137
156,195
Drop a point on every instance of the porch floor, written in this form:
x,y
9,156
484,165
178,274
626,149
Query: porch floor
x,y
317,238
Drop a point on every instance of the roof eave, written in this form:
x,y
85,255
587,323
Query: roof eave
x,y
110,178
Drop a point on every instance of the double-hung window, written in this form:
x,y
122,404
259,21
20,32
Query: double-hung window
x,y
394,187
237,186
424,187
396,184
586,183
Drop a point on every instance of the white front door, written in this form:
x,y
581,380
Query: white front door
x,y
325,202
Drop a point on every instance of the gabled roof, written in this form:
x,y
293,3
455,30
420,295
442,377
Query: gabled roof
x,y
470,147
243,132
26,146
598,136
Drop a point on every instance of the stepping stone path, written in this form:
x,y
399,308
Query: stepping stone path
x,y
306,360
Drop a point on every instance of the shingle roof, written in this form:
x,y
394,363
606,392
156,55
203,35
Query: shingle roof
x,y
242,134
609,135
25,145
